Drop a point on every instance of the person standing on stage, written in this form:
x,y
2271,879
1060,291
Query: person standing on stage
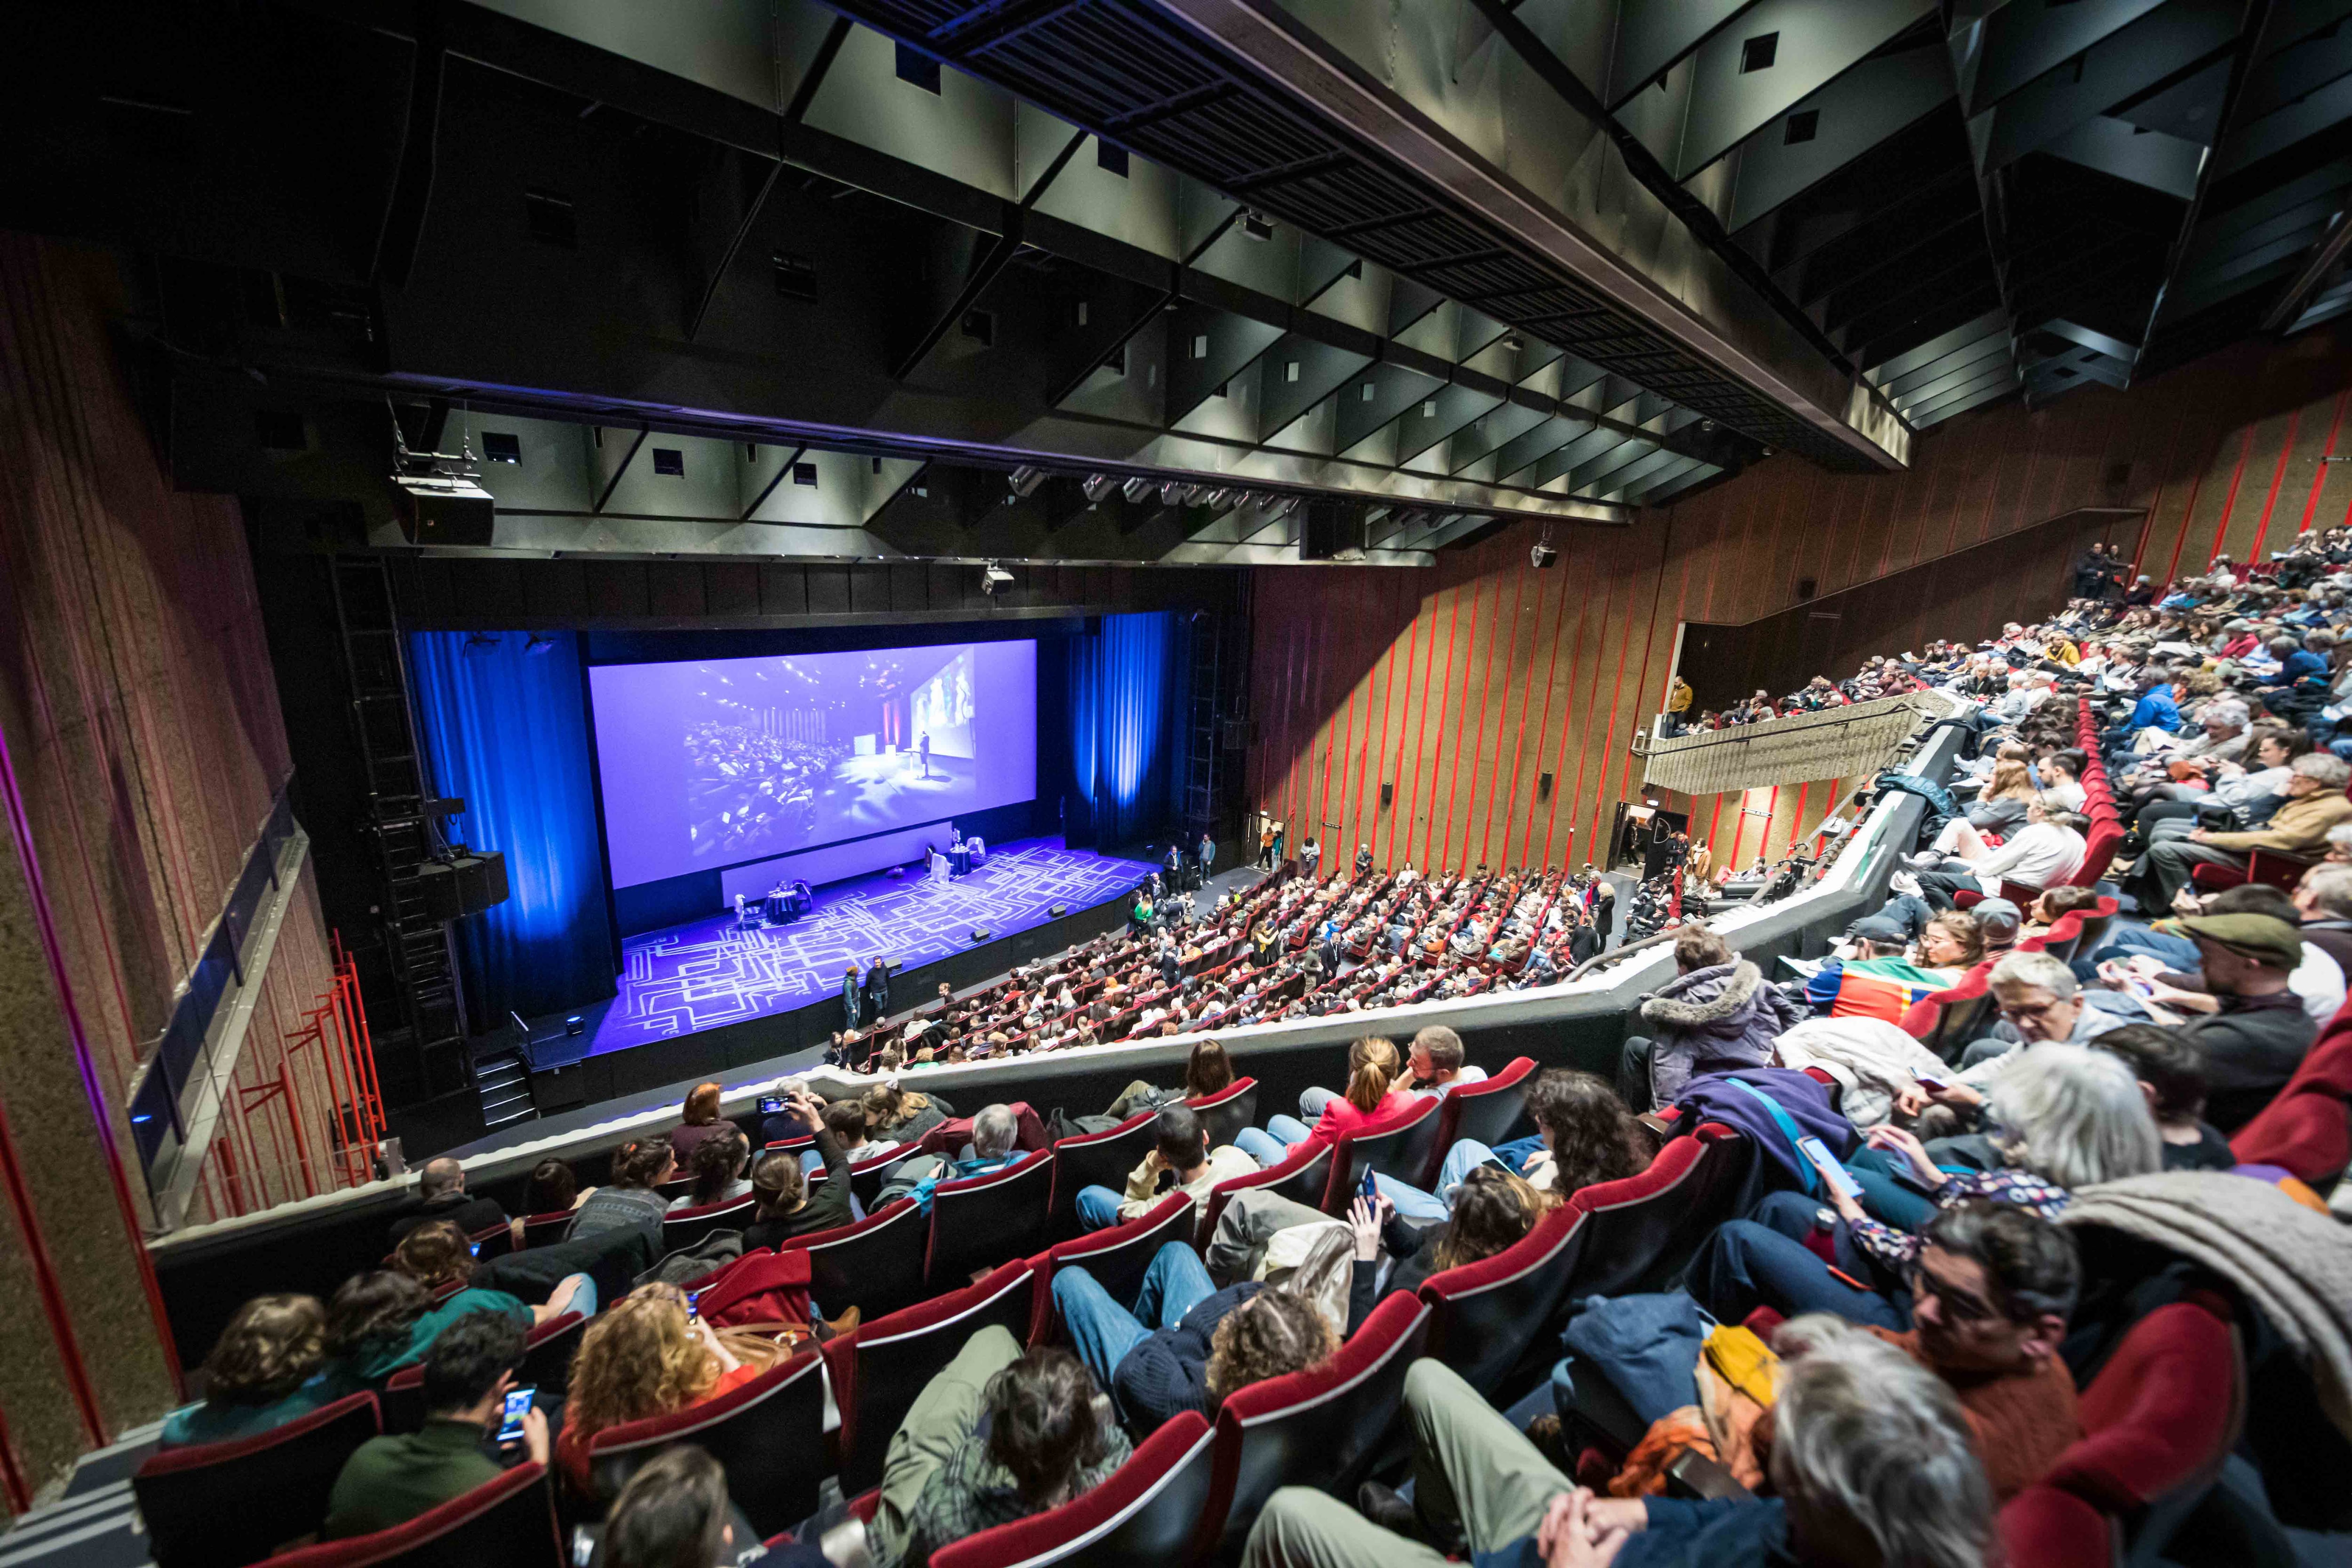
x,y
1278,836
923,750
877,991
849,996
1265,847
1172,868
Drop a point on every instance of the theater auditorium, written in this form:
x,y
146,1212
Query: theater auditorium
x,y
909,784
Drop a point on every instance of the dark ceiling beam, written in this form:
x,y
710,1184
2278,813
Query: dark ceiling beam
x,y
1653,174
1651,37
1853,113
794,112
411,187
2324,260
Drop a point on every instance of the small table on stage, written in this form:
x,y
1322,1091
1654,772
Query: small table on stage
x,y
960,858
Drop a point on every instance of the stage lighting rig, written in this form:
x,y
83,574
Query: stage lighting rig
x,y
993,577
1024,480
1541,554
1098,486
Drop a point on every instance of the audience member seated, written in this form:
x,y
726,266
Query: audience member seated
x,y
1585,1135
1183,1151
1716,1015
1207,1071
2046,850
717,1166
390,1480
2314,803
675,1513
786,1203
2062,1117
437,1254
995,1436
1434,1062
1187,1344
629,1200
370,1323
700,1119
553,1188
2171,1073
2258,1032
441,1194
1874,1463
269,1367
994,1133
645,1357
1374,1100
899,1114
2039,1000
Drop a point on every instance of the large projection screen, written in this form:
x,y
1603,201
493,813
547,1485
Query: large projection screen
x,y
708,763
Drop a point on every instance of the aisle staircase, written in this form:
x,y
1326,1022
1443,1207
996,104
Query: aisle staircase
x,y
502,1086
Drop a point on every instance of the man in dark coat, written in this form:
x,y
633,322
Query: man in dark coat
x,y
877,991
852,1003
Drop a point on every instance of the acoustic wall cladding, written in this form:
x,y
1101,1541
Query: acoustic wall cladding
x,y
1459,687
143,749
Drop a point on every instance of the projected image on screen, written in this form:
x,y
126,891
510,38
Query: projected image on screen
x,y
715,762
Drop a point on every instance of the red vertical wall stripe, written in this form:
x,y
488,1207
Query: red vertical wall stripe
x,y
2278,475
2319,469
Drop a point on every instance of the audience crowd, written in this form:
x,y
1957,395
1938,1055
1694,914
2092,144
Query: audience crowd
x,y
2013,1133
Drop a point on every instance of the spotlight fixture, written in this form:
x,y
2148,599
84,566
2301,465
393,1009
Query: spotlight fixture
x,y
1514,342
1024,480
479,645
539,643
438,495
1172,493
1541,554
1135,489
993,577
1098,486
1224,498
1284,505
1256,226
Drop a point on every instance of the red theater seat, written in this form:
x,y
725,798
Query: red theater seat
x,y
2043,1527
2159,1420
1147,1512
1116,1258
1400,1151
1097,1159
1321,1427
1492,1321
223,1505
1484,1112
1227,1112
978,1221
691,1227
875,1265
879,1367
1644,1229
768,1435
1300,1178
506,1523
546,1229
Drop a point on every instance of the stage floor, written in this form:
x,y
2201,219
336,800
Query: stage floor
x,y
709,973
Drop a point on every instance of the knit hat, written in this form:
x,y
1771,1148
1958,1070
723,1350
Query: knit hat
x,y
1998,919
2263,937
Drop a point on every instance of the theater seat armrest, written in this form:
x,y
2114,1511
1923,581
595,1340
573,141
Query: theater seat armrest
x,y
1694,1474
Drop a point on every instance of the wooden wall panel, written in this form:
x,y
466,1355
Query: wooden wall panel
x,y
1462,684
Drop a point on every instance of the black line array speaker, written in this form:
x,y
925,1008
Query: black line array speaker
x,y
465,886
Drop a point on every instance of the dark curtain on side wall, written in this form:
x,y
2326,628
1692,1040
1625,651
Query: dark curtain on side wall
x,y
1130,680
506,729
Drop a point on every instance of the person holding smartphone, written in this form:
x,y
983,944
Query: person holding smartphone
x,y
469,1374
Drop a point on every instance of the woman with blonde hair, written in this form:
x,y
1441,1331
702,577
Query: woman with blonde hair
x,y
643,1358
2001,807
1376,1097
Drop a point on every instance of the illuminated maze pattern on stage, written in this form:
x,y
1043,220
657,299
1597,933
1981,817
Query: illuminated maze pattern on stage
x,y
703,975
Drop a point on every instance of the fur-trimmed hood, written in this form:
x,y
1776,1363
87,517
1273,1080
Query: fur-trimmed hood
x,y
1712,995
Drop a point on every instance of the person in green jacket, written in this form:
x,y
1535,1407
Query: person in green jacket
x,y
390,1480
269,1367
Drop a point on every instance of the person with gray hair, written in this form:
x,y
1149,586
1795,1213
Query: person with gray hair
x,y
2314,803
995,1131
2039,1000
2060,1117
1872,1461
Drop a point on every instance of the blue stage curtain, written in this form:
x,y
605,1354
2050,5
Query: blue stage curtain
x,y
1128,688
507,730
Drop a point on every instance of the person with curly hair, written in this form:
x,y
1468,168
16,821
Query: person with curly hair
x,y
269,1367
437,1253
717,1165
995,1436
1585,1135
369,1325
1163,1358
645,1357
